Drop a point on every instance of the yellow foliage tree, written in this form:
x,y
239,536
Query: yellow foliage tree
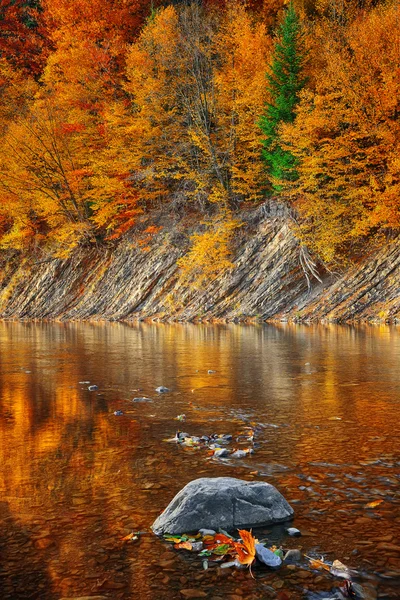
x,y
197,87
347,139
210,252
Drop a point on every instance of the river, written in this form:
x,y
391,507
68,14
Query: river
x,y
75,478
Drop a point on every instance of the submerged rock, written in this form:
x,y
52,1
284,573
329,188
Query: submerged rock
x,y
223,502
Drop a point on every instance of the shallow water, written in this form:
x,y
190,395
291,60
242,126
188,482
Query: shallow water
x,y
75,478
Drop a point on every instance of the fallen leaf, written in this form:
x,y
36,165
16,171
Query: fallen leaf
x,y
373,504
317,564
183,546
222,549
130,537
246,550
193,593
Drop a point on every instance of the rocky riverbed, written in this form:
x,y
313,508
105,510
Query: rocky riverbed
x,y
85,470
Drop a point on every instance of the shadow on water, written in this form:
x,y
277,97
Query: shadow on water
x,y
23,570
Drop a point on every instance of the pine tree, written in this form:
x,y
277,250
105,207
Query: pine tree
x,y
285,82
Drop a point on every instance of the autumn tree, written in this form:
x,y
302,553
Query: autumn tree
x,y
285,81
54,169
346,139
196,90
24,43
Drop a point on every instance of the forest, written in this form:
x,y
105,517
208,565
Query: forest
x,y
113,112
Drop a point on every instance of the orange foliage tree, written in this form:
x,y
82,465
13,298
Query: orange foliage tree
x,y
347,138
197,85
23,40
55,175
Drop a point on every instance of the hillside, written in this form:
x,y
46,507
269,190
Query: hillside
x,y
267,282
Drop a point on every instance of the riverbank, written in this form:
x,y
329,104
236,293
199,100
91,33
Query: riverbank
x,y
267,282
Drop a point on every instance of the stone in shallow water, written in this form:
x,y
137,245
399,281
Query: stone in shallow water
x,y
223,502
267,557
293,531
292,556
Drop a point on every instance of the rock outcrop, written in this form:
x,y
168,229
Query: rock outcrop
x,y
267,282
223,502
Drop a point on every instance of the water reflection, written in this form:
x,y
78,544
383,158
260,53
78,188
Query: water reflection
x,y
74,478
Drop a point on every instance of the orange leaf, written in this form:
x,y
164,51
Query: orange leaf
x,y
247,550
183,546
130,536
318,564
221,538
373,504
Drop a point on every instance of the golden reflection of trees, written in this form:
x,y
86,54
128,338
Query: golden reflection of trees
x,y
61,455
69,465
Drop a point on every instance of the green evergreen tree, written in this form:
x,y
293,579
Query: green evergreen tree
x,y
285,82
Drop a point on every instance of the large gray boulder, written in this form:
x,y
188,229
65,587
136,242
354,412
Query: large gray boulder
x,y
226,502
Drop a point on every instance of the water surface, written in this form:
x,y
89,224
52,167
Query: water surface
x,y
75,478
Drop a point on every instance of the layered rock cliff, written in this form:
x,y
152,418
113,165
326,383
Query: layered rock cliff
x,y
267,282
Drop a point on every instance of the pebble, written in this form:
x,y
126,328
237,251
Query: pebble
x,y
43,543
239,454
293,531
292,556
388,547
207,532
302,574
166,564
193,593
197,546
219,452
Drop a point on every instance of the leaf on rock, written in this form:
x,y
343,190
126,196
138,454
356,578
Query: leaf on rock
x,y
183,546
222,549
